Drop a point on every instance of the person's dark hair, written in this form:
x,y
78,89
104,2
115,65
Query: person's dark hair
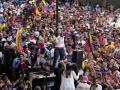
x,y
57,33
60,68
75,68
21,87
68,70
42,50
94,79
104,87
37,88
60,65
21,54
18,54
4,77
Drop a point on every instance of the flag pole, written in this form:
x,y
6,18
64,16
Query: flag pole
x,y
57,15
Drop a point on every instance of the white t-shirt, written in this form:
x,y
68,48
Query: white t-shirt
x,y
52,52
68,83
60,42
99,87
1,55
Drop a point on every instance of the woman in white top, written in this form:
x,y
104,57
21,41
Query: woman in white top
x,y
67,79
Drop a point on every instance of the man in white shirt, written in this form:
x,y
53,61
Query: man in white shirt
x,y
59,45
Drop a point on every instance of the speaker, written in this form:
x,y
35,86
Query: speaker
x,y
77,57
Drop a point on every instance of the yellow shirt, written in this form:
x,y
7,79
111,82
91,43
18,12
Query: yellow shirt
x,y
83,65
2,25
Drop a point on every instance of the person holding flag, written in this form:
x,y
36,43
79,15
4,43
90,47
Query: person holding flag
x,y
18,35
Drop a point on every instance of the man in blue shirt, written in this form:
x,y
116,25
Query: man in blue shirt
x,y
1,5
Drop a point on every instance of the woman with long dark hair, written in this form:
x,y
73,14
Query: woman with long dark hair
x,y
75,69
67,78
58,71
21,65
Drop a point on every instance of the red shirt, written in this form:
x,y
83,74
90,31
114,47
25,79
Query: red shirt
x,y
22,67
100,38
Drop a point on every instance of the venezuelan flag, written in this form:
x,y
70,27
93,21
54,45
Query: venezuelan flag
x,y
17,39
43,7
90,39
89,42
36,8
86,45
18,34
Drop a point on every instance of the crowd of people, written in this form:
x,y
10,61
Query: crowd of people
x,y
29,38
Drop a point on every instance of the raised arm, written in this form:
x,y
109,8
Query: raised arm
x,y
76,77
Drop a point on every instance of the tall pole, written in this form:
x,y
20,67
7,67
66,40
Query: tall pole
x,y
104,3
57,16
